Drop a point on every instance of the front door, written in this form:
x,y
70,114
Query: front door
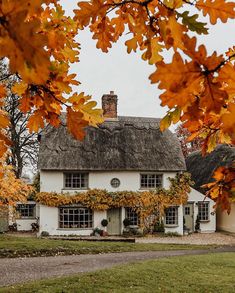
x,y
114,221
188,216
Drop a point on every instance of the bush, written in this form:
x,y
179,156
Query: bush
x,y
159,227
44,234
104,222
126,222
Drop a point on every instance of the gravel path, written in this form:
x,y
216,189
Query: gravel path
x,y
21,270
195,238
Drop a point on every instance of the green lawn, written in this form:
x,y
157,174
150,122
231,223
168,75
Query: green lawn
x,y
11,246
203,273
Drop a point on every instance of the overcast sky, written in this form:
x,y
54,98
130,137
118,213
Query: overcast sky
x,y
127,74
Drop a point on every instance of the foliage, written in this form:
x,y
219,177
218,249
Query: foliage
x,y
126,222
145,203
104,222
159,226
23,150
11,188
187,146
197,225
39,41
222,190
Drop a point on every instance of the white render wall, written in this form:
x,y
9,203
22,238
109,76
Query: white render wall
x,y
53,181
226,222
49,222
208,226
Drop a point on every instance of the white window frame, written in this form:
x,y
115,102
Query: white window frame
x,y
26,207
204,211
132,216
172,219
151,183
75,223
74,178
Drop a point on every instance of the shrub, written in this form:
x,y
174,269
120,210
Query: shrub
x,y
159,227
44,234
126,222
104,222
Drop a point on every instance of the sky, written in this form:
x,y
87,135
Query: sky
x,y
127,74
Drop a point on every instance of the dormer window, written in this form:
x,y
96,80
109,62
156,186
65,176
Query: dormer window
x,y
76,180
151,180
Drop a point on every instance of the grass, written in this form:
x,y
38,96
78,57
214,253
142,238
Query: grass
x,y
203,273
12,246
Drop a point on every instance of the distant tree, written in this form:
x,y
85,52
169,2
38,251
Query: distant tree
x,y
187,146
23,150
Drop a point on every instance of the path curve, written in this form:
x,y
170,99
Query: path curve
x,y
22,270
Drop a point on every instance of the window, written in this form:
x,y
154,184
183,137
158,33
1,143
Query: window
x,y
203,210
132,216
115,182
150,180
26,210
75,217
76,180
187,211
171,216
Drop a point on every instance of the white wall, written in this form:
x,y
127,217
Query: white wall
x,y
49,222
53,181
226,222
208,226
23,224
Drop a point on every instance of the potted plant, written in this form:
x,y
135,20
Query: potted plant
x,y
104,224
186,230
197,225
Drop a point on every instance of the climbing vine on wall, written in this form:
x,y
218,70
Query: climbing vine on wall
x,y
144,203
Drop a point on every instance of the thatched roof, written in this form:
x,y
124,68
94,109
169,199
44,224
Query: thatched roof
x,y
202,168
129,143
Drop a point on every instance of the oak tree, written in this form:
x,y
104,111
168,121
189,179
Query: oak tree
x,y
38,38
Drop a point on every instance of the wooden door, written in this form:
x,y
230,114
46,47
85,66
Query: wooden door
x,y
114,221
189,216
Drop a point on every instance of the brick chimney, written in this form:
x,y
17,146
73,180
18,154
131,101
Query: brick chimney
x,y
109,105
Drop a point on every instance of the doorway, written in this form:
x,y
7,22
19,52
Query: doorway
x,y
114,221
189,216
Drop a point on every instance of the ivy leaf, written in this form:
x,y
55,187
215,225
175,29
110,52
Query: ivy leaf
x,y
192,23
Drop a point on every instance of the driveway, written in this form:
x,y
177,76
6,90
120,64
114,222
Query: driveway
x,y
22,270
217,238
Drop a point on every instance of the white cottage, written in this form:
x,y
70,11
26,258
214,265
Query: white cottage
x,y
124,153
202,169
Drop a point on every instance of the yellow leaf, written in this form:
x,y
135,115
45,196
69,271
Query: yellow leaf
x,y
19,88
165,122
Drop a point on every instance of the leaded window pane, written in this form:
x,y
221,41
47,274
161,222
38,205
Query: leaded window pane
x,y
26,210
171,216
203,210
76,180
151,180
75,217
132,216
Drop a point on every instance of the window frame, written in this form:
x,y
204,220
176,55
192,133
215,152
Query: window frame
x,y
27,208
176,223
86,180
89,227
129,210
207,204
149,174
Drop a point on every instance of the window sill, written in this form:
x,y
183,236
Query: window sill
x,y
27,218
74,229
171,226
74,189
204,221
